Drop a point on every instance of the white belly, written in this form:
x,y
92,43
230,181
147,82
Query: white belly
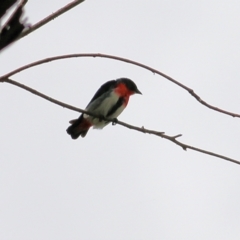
x,y
99,125
101,107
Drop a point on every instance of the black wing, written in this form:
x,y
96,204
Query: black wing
x,y
104,88
118,104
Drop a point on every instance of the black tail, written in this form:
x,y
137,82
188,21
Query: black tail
x,y
78,127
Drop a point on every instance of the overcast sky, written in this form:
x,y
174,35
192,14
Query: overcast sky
x,y
117,183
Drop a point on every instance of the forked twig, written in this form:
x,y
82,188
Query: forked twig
x,y
197,97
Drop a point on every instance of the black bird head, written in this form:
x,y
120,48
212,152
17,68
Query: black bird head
x,y
129,84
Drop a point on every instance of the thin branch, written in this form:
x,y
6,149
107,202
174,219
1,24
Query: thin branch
x,y
197,97
142,129
50,17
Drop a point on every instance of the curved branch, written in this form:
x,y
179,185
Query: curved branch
x,y
197,97
50,17
142,129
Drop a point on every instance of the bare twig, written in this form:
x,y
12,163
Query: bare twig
x,y
197,97
142,129
51,17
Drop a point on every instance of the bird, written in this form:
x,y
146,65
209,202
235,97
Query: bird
x,y
108,102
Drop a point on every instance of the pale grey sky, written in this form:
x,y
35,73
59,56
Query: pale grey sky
x,y
117,183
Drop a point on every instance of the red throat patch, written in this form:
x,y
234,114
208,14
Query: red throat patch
x,y
123,91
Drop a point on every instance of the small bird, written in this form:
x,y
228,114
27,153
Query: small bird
x,y
108,102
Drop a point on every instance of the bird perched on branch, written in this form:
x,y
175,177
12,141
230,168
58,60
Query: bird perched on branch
x,y
108,102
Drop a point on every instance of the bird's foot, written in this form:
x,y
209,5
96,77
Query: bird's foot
x,y
114,121
101,118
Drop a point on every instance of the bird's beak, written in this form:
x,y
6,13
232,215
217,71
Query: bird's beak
x,y
138,92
